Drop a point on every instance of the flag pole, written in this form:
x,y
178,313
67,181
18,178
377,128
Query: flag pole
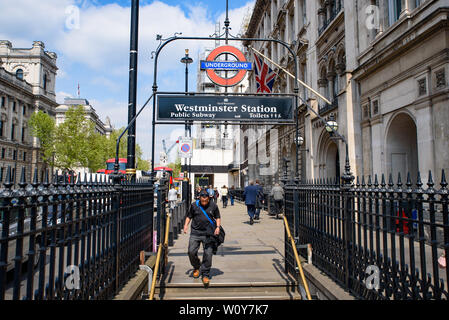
x,y
287,72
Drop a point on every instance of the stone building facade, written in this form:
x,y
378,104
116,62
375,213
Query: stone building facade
x,y
103,128
27,84
383,65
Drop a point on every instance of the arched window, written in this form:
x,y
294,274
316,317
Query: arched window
x,y
19,74
335,88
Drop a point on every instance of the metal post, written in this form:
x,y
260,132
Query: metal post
x,y
187,60
296,90
132,95
347,180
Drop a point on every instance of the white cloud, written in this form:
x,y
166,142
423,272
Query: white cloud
x,y
61,95
98,48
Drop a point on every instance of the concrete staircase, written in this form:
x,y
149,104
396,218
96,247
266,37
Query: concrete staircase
x,y
228,291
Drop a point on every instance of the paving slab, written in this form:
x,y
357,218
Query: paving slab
x,y
250,253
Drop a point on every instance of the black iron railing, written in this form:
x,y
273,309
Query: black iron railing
x,y
378,239
65,240
326,107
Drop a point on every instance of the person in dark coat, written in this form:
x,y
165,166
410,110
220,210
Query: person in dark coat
x,y
232,195
250,195
259,200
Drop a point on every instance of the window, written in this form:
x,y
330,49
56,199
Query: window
x,y
24,156
3,102
23,134
440,79
1,128
375,106
45,81
13,129
304,15
366,111
1,174
394,10
422,88
14,106
19,74
24,111
3,153
335,86
14,155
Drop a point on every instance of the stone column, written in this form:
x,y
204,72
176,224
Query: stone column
x,y
378,160
425,140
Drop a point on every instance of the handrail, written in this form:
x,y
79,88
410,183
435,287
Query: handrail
x,y
298,261
158,258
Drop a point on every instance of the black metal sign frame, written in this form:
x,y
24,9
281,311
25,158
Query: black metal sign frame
x,y
231,108
165,42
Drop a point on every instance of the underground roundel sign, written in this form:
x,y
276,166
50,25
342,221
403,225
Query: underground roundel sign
x,y
238,68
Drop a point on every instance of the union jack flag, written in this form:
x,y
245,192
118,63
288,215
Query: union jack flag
x,y
264,76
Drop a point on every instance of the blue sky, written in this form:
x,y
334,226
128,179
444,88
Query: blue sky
x,y
91,39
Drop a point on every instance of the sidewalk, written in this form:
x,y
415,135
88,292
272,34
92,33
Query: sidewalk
x,y
250,254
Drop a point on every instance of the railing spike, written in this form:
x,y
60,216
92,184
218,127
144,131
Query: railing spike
x,y
409,180
369,181
382,182
443,179
46,178
22,178
430,182
399,179
418,180
55,178
8,181
35,177
376,182
390,179
363,181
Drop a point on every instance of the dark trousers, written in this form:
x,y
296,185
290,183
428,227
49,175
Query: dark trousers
x,y
194,245
232,200
225,201
278,205
251,210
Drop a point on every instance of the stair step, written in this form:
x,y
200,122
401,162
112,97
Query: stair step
x,y
223,291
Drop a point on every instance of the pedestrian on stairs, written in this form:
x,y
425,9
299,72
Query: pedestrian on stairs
x,y
250,195
202,232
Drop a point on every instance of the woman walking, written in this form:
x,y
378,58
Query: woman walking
x,y
224,196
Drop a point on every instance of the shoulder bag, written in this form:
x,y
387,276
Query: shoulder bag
x,y
221,236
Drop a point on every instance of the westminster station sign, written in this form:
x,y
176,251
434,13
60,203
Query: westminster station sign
x,y
229,108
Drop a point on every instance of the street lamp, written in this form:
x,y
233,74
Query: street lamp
x,y
332,126
300,142
187,60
